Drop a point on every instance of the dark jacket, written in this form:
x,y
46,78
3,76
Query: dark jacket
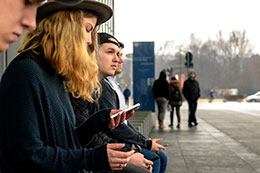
x,y
175,98
37,122
160,87
109,100
84,110
191,90
122,133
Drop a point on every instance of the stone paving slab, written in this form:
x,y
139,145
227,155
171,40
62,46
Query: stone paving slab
x,y
207,149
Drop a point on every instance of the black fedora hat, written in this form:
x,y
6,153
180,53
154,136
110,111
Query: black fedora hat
x,y
102,11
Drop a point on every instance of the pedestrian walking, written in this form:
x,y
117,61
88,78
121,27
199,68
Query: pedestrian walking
x,y
175,100
191,92
161,94
211,95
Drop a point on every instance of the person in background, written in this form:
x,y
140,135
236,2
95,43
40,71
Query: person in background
x,y
191,92
127,94
15,16
211,95
161,94
175,100
37,122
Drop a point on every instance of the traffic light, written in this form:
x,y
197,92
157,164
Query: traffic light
x,y
188,58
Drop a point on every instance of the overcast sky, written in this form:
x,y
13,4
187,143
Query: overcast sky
x,y
176,20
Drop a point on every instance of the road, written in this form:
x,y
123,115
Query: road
x,y
227,140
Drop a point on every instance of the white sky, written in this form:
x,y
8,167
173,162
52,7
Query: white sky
x,y
167,20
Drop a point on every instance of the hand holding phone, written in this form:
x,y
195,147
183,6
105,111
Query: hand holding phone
x,y
134,107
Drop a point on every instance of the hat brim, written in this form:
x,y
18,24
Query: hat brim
x,y
102,11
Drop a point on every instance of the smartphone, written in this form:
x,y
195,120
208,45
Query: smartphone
x,y
134,107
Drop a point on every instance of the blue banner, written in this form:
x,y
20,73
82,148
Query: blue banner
x,y
143,75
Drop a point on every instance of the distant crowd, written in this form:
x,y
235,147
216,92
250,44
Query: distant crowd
x,y
169,93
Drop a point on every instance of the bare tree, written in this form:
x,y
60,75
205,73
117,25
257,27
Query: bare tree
x,y
223,64
164,56
236,46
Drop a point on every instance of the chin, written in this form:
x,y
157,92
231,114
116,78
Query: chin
x,y
119,71
111,74
3,47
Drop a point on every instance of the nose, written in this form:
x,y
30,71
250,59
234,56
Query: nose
x,y
120,58
89,40
29,18
116,58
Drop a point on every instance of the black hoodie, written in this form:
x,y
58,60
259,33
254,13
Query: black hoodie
x,y
160,86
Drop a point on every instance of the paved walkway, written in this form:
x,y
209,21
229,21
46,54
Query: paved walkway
x,y
205,149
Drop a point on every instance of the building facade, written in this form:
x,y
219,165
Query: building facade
x,y
108,27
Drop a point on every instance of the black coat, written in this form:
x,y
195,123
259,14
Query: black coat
x,y
160,87
191,90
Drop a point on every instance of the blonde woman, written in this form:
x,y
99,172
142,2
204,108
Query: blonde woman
x,y
37,123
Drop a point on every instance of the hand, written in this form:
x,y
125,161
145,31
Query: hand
x,y
114,122
156,147
150,168
129,114
117,159
138,159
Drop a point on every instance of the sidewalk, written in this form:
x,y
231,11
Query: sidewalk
x,y
204,149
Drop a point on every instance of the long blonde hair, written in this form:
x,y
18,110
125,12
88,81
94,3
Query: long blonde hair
x,y
62,38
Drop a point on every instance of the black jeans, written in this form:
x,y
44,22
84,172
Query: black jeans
x,y
177,114
192,111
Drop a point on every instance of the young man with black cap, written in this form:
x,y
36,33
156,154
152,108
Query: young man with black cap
x,y
16,15
125,132
107,60
37,122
